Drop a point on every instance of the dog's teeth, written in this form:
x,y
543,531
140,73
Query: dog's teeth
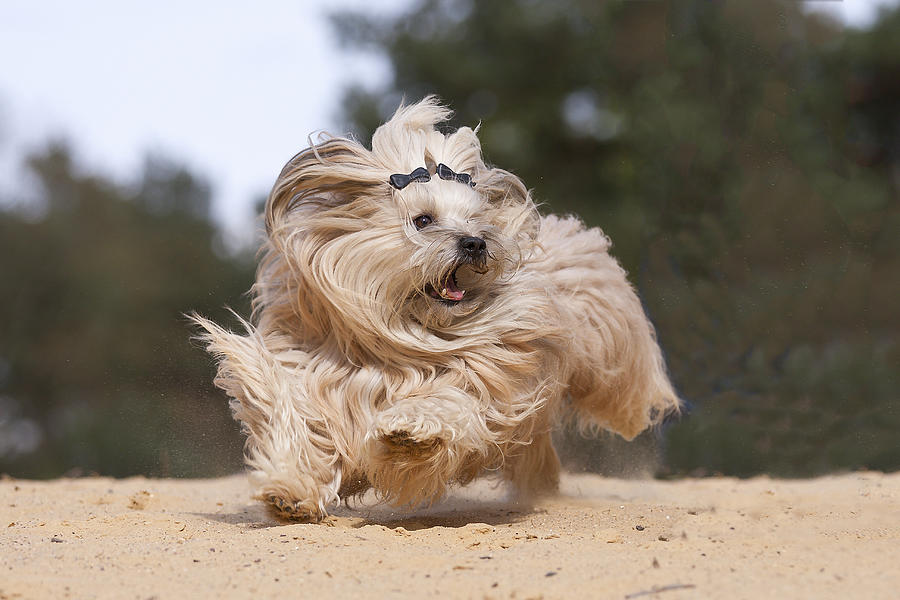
x,y
444,292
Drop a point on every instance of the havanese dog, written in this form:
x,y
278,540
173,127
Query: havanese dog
x,y
417,324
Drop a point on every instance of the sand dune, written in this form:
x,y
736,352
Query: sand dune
x,y
834,537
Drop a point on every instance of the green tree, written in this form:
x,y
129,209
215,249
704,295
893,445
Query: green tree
x,y
97,371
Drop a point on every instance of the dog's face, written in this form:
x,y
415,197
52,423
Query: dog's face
x,y
459,247
417,230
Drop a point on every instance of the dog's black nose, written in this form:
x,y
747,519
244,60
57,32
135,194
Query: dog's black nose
x,y
472,245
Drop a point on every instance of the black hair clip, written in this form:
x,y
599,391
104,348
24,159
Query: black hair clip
x,y
421,175
400,181
445,172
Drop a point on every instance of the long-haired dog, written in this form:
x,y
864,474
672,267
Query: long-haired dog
x,y
416,323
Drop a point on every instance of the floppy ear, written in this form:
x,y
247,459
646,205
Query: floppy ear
x,y
504,192
501,187
324,175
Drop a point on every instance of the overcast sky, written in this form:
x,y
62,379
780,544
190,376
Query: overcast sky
x,y
231,90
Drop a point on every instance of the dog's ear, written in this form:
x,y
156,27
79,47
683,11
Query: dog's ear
x,y
463,153
327,174
501,187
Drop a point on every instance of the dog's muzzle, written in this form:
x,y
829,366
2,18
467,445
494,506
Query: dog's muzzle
x,y
472,252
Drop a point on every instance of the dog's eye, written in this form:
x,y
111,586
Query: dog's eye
x,y
422,221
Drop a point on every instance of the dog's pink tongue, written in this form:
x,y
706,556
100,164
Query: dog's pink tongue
x,y
451,292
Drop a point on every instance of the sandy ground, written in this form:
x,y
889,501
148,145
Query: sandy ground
x,y
835,537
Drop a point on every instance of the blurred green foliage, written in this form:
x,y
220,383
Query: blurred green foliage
x,y
97,371
745,160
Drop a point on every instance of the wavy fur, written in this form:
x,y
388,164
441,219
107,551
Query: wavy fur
x,y
352,374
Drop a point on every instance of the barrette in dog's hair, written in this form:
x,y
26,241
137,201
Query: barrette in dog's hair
x,y
445,172
400,181
421,175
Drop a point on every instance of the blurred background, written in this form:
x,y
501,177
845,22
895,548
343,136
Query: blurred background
x,y
744,158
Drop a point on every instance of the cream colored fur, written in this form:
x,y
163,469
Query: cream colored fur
x,y
352,375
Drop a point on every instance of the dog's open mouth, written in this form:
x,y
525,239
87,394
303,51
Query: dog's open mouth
x,y
449,292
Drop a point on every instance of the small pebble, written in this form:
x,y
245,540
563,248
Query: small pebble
x,y
639,527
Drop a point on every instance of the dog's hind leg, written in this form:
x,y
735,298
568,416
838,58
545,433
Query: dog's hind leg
x,y
288,448
533,469
616,375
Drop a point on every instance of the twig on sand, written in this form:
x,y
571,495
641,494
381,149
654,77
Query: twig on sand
x,y
662,588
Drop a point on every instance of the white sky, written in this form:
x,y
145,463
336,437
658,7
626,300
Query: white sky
x,y
858,13
231,91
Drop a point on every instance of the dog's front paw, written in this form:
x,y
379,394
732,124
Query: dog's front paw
x,y
409,460
404,443
300,511
420,445
409,435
